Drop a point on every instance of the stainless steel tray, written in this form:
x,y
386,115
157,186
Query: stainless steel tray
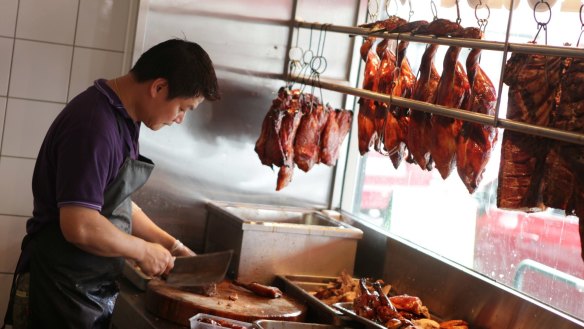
x,y
273,324
298,286
347,308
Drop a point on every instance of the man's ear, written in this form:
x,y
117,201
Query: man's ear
x,y
157,86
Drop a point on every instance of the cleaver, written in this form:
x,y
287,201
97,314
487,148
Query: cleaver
x,y
199,270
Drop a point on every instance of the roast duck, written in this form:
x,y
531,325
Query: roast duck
x,y
396,312
300,131
418,136
375,301
475,142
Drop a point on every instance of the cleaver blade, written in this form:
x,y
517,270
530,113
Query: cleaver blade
x,y
199,270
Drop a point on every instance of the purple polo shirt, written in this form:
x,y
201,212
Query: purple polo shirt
x,y
81,154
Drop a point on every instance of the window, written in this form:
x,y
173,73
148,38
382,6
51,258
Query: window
x,y
537,254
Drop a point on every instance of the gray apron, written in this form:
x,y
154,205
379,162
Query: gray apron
x,y
70,288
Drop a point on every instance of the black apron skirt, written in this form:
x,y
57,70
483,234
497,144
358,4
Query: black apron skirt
x,y
70,288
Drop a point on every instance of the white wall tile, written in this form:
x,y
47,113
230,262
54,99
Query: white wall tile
x,y
8,17
5,284
102,24
54,22
5,58
40,71
89,65
16,181
22,136
12,229
2,114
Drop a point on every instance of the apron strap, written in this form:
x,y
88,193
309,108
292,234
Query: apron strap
x,y
8,317
22,266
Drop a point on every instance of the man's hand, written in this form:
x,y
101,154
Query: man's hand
x,y
156,260
183,251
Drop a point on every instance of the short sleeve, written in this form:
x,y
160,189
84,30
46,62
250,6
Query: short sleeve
x,y
87,157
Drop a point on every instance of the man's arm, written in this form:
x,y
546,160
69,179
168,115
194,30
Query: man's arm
x,y
90,231
145,228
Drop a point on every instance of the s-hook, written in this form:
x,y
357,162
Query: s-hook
x,y
387,4
582,25
482,22
458,20
434,10
540,23
372,10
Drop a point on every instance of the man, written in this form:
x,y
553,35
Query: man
x,y
84,222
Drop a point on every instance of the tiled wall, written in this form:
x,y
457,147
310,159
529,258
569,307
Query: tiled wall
x,y
49,52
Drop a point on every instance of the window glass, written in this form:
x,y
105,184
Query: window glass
x,y
538,253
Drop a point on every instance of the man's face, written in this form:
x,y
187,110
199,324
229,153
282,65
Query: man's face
x,y
166,112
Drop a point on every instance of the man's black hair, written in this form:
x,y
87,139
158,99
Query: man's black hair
x,y
185,65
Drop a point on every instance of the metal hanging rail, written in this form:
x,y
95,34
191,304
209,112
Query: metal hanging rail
x,y
484,119
557,134
470,43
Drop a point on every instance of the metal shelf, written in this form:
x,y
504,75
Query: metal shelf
x,y
470,43
557,134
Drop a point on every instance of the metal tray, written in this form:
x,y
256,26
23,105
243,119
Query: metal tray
x,y
347,308
273,324
298,286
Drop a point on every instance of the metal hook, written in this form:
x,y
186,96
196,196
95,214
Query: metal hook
x,y
544,27
581,19
411,12
542,24
372,12
387,4
549,9
458,20
434,10
482,22
323,30
581,25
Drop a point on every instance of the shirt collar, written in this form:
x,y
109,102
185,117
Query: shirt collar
x,y
111,96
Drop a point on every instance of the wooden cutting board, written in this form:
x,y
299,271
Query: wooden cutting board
x,y
178,306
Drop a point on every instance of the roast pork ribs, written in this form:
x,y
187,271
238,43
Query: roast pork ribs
x,y
533,81
336,129
475,141
563,181
287,134
307,143
419,138
366,116
268,146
